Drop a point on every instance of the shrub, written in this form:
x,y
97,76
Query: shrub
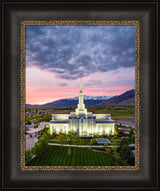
x,y
38,149
108,150
116,131
62,139
54,135
69,151
41,145
28,122
125,152
45,130
131,132
28,155
93,141
132,139
105,145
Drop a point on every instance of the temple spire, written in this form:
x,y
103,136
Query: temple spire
x,y
81,106
80,84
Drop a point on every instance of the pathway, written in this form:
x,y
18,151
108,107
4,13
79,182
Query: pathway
x,y
30,142
84,146
125,123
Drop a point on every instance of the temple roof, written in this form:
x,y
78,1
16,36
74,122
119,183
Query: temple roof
x,y
57,121
105,121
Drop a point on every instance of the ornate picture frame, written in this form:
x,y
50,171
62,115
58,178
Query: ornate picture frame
x,y
87,14
23,92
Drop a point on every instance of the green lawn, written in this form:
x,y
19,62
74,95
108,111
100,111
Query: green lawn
x,y
120,114
58,156
116,114
126,112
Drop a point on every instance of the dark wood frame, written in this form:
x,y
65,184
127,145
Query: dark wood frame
x,y
13,177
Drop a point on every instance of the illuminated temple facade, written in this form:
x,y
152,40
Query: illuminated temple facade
x,y
81,122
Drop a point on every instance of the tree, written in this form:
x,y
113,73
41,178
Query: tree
x,y
62,139
77,140
105,145
45,130
132,139
116,131
44,142
38,149
69,151
47,118
117,158
125,151
28,122
41,145
54,135
114,144
128,110
123,142
28,155
131,132
106,148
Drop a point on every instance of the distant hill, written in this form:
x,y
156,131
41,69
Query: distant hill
x,y
67,103
130,101
126,98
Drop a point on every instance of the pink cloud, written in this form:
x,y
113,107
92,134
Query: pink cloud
x,y
43,86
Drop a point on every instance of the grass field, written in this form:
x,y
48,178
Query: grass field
x,y
58,156
117,112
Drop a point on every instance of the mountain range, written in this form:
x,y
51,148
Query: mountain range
x,y
86,97
127,98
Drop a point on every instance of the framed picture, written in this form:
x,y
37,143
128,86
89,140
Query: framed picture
x,y
89,136
81,84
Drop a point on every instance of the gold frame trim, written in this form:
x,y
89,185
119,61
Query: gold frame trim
x,y
136,23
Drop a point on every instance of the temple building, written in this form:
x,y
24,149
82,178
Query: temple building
x,y
82,122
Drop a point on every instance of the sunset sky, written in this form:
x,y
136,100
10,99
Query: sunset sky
x,y
58,56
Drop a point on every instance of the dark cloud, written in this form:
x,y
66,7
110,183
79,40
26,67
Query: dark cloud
x,y
97,83
93,83
77,51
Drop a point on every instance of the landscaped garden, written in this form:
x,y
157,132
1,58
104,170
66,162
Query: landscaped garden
x,y
64,156
116,152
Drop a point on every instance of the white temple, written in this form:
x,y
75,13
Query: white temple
x,y
81,122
